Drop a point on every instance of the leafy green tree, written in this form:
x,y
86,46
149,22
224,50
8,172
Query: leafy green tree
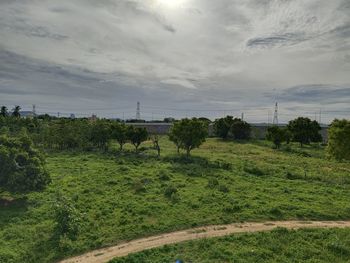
x,y
189,134
21,166
277,135
223,126
137,136
240,129
304,131
3,111
120,133
339,140
16,112
101,133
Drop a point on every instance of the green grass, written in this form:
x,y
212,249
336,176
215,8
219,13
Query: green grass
x,y
122,197
280,245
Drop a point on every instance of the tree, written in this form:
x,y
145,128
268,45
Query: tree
x,y
277,135
120,133
137,136
3,111
339,140
240,129
21,166
16,111
304,131
101,134
222,126
188,134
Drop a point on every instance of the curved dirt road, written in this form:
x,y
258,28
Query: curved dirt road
x,y
106,254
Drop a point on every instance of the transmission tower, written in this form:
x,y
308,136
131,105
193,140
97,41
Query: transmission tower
x,y
138,111
34,109
275,115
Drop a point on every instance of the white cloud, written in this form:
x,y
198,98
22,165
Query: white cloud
x,y
195,50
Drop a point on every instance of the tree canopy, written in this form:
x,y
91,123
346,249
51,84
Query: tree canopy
x,y
339,140
189,134
21,166
304,131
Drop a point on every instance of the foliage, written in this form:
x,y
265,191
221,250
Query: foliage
x,y
277,135
21,166
339,140
119,133
223,126
189,134
16,111
137,136
101,134
3,111
240,129
67,219
304,131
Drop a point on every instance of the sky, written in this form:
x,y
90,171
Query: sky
x,y
179,58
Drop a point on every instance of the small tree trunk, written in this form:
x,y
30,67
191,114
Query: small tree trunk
x,y
188,151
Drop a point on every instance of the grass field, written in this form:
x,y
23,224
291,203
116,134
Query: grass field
x,y
280,245
125,196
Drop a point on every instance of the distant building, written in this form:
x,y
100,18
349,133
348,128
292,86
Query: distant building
x,y
93,117
72,116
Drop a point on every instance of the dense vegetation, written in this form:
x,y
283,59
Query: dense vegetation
x,y
280,245
339,140
21,166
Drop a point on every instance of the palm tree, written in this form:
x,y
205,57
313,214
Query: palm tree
x,y
16,112
3,111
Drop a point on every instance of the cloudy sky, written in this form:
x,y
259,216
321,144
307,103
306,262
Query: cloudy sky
x,y
177,57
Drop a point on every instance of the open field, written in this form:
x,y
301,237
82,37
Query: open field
x,y
280,245
124,197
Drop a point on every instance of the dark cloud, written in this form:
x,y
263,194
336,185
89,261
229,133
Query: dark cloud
x,y
284,39
316,93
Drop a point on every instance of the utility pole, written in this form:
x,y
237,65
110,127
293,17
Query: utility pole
x,y
242,116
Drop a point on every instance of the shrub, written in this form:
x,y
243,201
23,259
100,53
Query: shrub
x,y
67,219
212,183
339,140
169,191
223,188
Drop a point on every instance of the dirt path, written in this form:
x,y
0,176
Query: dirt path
x,y
106,254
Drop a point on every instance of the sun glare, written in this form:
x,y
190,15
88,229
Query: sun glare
x,y
171,3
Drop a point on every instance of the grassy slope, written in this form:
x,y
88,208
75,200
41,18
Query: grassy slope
x,y
280,245
263,184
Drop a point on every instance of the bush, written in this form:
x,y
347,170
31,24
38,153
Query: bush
x,y
212,183
223,188
21,166
339,140
67,219
169,191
